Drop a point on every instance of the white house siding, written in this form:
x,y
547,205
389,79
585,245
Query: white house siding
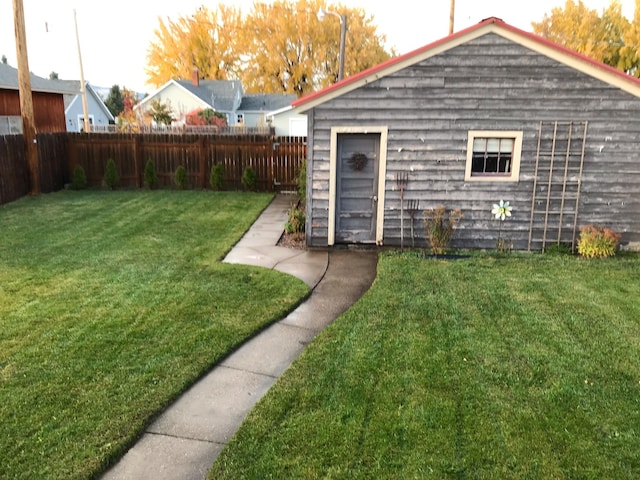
x,y
181,101
489,83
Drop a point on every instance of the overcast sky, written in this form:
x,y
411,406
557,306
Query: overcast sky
x,y
115,35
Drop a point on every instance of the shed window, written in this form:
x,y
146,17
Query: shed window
x,y
493,156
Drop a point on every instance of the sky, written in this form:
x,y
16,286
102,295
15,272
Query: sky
x,y
115,35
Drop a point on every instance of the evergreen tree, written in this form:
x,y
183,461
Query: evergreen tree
x,y
115,101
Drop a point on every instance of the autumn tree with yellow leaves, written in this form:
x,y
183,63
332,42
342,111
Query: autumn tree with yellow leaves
x,y
610,37
280,47
204,41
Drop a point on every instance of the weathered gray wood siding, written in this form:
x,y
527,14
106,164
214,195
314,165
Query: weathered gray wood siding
x,y
489,83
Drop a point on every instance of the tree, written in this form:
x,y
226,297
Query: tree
x,y
161,112
281,47
4,59
630,52
287,49
203,41
53,76
127,119
115,101
608,38
208,116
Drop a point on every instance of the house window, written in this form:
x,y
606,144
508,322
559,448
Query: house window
x,y
10,125
240,118
81,122
493,156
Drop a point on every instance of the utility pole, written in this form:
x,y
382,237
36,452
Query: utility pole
x,y
451,15
83,87
26,98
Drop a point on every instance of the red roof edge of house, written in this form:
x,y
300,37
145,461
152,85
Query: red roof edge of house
x,y
491,20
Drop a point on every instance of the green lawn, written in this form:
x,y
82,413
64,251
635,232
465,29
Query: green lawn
x,y
514,367
111,304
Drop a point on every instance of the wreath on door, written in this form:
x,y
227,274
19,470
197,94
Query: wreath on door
x,y
358,161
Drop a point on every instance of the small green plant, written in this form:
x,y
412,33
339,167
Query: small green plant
x,y
440,226
295,225
597,241
150,176
180,177
561,248
78,178
111,176
249,179
301,181
216,177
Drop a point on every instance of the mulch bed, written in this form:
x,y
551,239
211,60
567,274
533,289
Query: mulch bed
x,y
292,241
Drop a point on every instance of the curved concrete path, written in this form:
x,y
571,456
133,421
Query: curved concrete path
x,y
186,439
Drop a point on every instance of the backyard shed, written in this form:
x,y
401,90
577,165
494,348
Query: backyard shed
x,y
488,113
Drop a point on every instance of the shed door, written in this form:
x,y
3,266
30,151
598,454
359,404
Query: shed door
x,y
357,187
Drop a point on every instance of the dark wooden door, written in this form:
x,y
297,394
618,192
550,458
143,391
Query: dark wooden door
x,y
357,187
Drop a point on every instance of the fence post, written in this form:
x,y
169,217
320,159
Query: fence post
x,y
137,159
202,159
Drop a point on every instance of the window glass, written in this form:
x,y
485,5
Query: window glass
x,y
493,155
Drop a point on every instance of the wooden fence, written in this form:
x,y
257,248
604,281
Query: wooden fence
x,y
276,160
14,174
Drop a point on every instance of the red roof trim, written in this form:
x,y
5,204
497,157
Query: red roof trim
x,y
492,20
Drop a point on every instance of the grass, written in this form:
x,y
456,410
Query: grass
x,y
111,304
514,366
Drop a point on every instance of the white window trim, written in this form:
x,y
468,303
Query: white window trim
x,y
81,121
515,161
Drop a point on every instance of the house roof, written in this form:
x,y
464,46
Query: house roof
x,y
221,95
9,81
266,102
70,98
532,41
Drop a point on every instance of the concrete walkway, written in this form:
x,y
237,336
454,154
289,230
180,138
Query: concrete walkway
x,y
186,439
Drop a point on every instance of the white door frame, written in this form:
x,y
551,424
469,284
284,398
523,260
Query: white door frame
x,y
333,169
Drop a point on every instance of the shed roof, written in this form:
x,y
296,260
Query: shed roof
x,y
9,81
532,41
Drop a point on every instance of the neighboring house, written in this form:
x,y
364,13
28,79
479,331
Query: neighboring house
x,y
489,113
99,114
288,122
48,102
223,96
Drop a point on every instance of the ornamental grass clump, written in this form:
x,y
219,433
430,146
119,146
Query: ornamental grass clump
x,y
597,241
295,225
439,227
